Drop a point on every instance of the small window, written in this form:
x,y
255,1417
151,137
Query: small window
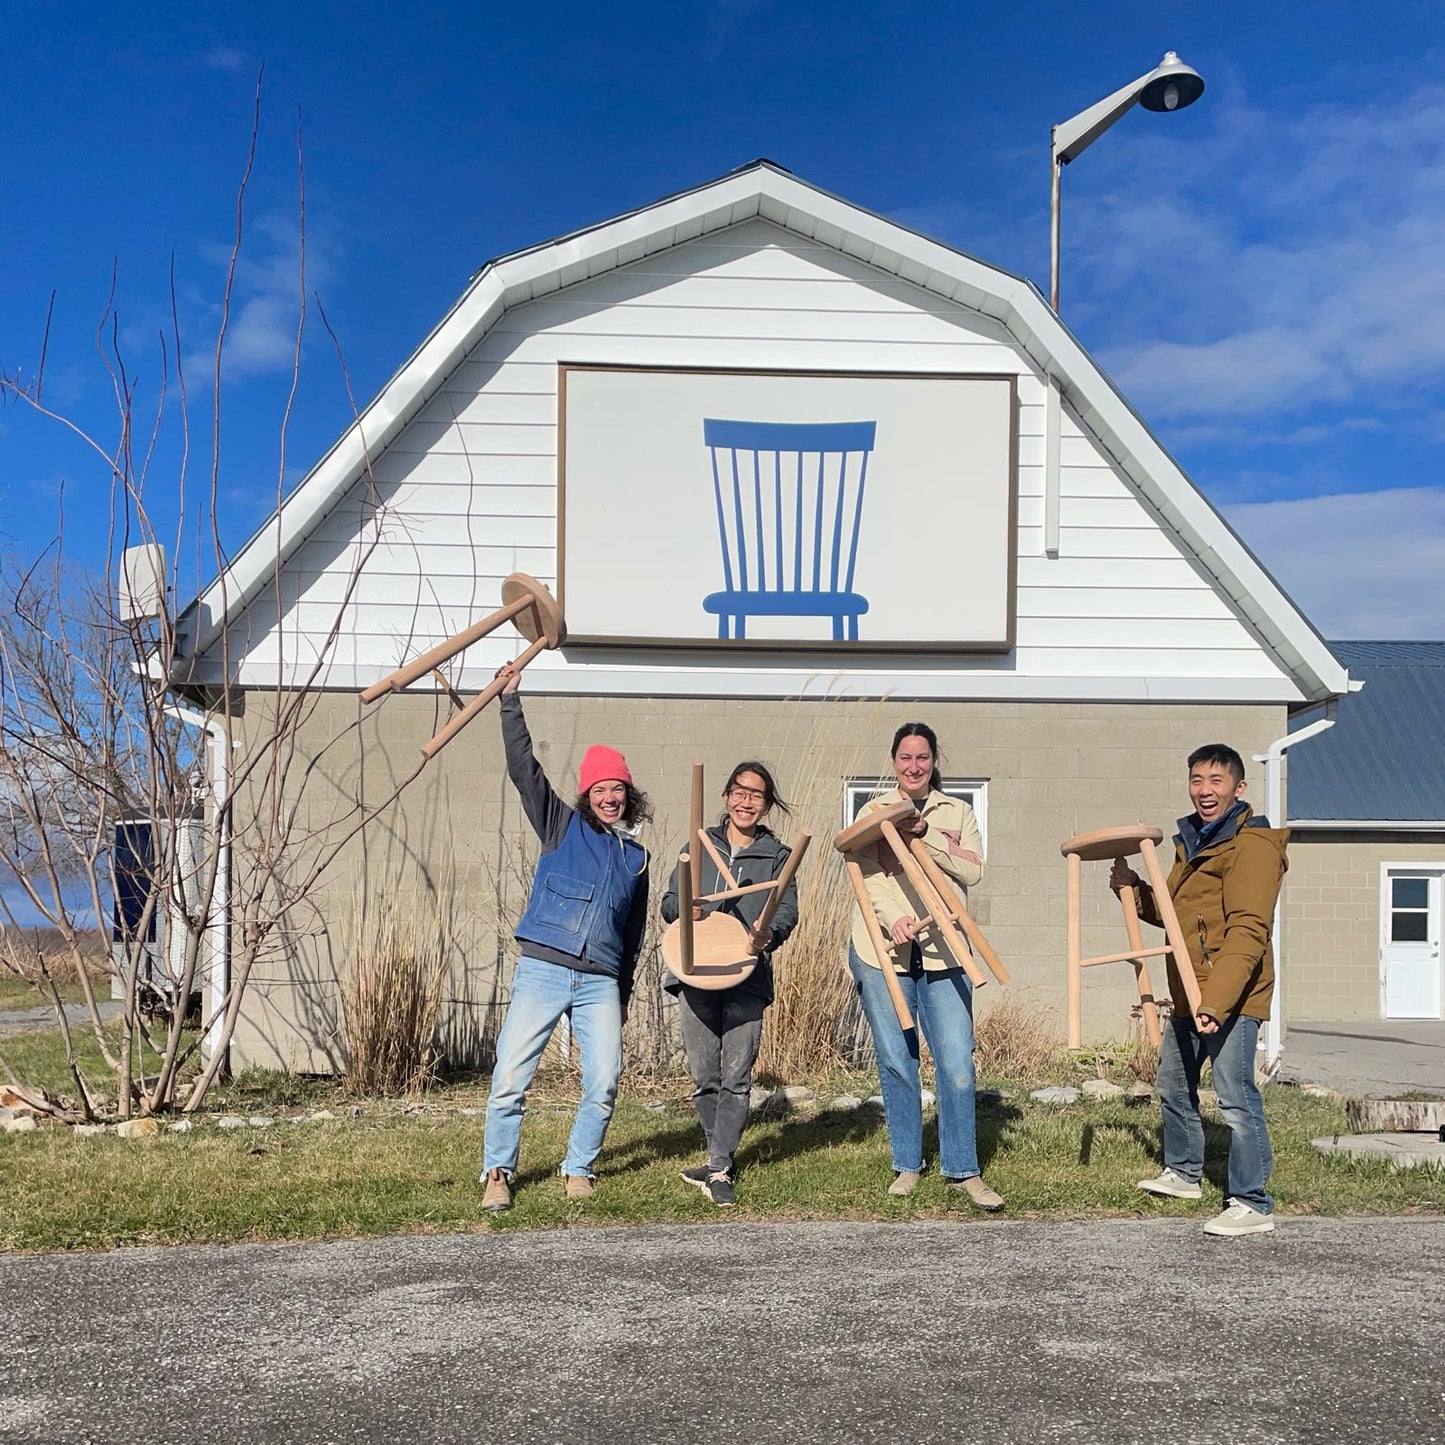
x,y
1410,892
973,791
1409,910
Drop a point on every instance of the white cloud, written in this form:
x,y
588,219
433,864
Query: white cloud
x,y
1314,268
1359,564
224,57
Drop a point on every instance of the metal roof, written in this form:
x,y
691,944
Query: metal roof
x,y
1381,762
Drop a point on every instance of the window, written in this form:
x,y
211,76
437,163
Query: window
x,y
1409,910
973,791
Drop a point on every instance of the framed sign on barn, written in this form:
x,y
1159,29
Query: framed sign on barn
x,y
787,509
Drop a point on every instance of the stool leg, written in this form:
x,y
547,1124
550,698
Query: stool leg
x,y
1075,979
1172,930
1141,968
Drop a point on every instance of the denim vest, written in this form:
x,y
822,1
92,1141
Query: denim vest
x,y
582,893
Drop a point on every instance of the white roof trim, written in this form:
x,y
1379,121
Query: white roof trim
x,y
763,190
1367,825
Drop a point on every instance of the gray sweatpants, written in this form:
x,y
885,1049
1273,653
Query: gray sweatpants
x,y
721,1034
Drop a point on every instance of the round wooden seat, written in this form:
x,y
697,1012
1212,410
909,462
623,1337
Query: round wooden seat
x,y
1107,843
542,621
869,829
720,954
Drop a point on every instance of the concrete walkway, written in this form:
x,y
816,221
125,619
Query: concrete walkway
x,y
1382,1060
27,1020
1003,1332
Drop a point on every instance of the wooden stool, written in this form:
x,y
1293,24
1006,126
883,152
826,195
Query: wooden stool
x,y
1120,844
533,611
713,952
945,915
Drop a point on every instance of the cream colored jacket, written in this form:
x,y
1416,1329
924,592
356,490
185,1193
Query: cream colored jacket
x,y
894,897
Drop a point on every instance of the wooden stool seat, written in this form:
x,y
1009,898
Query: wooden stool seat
x,y
1108,844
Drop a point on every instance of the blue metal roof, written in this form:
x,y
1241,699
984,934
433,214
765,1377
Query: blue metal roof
x,y
1384,759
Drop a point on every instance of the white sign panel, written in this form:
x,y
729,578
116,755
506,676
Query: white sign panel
x,y
786,509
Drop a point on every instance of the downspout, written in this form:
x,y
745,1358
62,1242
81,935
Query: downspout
x,y
1273,758
220,921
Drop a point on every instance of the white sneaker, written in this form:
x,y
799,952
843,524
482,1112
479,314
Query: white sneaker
x,y
1176,1186
1239,1219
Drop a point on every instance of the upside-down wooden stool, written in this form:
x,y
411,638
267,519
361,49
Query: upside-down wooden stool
x,y
945,915
532,610
1120,844
712,952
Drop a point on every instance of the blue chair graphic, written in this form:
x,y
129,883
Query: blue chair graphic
x,y
789,508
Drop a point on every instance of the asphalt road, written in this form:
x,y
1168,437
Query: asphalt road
x,y
996,1332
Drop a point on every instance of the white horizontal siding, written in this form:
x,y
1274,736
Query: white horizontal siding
x,y
470,487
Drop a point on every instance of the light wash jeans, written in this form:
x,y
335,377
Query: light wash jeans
x,y
942,1006
1231,1052
541,994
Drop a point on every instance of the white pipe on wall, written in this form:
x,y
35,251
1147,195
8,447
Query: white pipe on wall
x,y
1273,759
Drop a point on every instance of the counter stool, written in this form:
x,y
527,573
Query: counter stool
x,y
1123,843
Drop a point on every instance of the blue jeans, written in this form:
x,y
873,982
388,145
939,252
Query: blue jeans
x,y
1231,1052
541,994
942,1006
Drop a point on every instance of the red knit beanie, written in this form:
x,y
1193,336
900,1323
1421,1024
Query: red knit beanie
x,y
600,764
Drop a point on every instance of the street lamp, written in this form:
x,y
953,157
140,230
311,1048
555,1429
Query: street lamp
x,y
1171,85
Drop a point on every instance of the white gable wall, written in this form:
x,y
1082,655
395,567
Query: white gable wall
x,y
470,490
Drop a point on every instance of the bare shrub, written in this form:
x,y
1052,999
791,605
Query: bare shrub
x,y
1017,1039
391,998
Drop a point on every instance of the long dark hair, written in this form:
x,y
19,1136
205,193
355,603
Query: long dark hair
x,y
920,730
771,797
637,812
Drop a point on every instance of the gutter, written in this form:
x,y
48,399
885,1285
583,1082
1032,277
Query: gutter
x,y
1273,1042
219,927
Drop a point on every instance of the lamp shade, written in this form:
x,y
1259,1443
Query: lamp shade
x,y
1172,86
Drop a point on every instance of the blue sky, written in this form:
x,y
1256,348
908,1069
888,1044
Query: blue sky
x,y
1263,274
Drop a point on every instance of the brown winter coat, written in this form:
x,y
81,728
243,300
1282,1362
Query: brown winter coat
x,y
1225,897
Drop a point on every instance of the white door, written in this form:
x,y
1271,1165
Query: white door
x,y
1410,943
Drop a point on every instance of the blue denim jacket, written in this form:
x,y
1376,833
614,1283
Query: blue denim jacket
x,y
582,895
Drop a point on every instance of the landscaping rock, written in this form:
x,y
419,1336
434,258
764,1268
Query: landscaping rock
x,y
321,1115
182,1126
759,1098
1056,1094
355,1111
1139,1092
6,1114
230,1121
1403,1150
655,1108
847,1101
9,1099
296,1118
137,1129
928,1099
88,1131
21,1124
470,1113
875,1099
799,1094
1101,1089
260,1121
1319,1091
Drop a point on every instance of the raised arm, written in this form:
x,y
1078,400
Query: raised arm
x,y
545,810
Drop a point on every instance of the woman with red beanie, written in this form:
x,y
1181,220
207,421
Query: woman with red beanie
x,y
579,935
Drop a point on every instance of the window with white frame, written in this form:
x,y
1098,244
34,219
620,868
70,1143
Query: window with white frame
x,y
973,791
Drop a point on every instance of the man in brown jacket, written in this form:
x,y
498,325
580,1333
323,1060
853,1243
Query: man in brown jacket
x,y
1228,866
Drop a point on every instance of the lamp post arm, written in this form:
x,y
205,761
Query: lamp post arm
x,y
1073,137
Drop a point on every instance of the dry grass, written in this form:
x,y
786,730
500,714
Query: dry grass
x,y
30,956
1017,1039
391,998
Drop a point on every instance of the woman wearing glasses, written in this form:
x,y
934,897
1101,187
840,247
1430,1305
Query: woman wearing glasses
x,y
722,1030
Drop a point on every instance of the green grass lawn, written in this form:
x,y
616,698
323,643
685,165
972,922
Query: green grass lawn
x,y
394,1171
